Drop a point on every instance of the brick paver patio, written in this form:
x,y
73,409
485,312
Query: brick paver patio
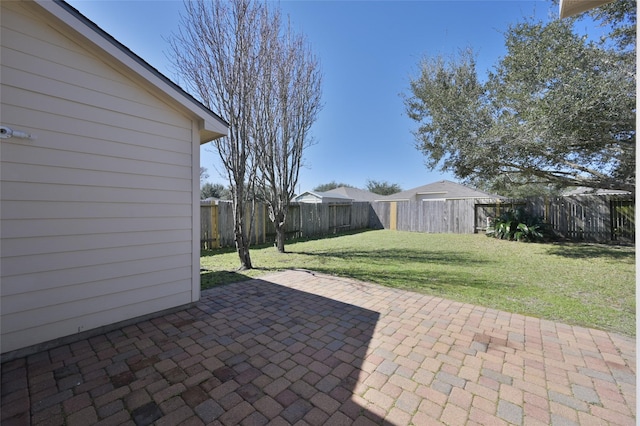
x,y
304,348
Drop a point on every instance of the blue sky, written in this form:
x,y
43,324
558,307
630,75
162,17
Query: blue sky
x,y
368,50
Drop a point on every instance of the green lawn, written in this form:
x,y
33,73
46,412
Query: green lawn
x,y
590,285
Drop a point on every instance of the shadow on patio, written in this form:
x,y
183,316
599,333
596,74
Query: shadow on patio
x,y
247,353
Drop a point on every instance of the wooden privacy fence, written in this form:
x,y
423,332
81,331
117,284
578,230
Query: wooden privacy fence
x,y
303,220
431,216
597,218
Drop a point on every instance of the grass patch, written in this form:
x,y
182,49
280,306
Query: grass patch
x,y
590,285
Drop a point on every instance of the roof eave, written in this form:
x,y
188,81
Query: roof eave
x,y
574,7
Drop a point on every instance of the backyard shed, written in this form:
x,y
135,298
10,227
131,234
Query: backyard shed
x,y
99,179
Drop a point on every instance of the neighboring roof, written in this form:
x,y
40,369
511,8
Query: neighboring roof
x,y
581,190
212,126
323,195
354,193
574,7
445,189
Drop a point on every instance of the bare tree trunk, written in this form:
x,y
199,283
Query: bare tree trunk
x,y
242,235
279,224
242,247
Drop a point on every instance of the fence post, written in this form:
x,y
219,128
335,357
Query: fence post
x,y
214,225
393,215
264,223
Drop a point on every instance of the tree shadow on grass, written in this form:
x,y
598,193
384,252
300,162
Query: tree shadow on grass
x,y
399,268
593,251
401,256
289,242
430,282
210,279
405,269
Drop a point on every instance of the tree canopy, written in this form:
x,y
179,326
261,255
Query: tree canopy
x,y
331,185
382,187
288,105
558,110
239,58
214,190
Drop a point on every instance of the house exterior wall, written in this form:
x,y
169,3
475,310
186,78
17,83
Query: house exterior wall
x,y
97,213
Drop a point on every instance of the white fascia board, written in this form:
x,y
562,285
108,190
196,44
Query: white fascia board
x,y
575,7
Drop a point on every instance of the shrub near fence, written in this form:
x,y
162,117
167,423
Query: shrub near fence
x,y
304,220
594,218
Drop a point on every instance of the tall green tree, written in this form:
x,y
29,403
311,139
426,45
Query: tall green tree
x,y
382,187
559,109
331,185
213,190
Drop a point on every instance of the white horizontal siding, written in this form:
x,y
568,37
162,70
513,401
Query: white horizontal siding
x,y
66,95
97,211
108,288
20,210
37,281
54,227
40,245
29,48
93,142
17,172
45,191
16,265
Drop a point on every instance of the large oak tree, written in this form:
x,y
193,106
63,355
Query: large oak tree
x,y
558,110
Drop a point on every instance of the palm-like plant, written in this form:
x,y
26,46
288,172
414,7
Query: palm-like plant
x,y
517,225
